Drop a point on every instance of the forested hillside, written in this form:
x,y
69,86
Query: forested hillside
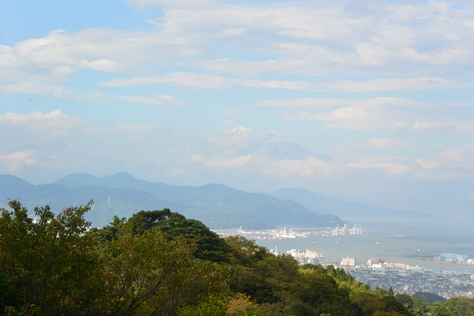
x,y
161,263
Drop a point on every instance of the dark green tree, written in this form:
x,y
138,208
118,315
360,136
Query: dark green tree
x,y
277,275
321,292
393,305
443,311
146,220
405,299
9,294
369,302
106,235
244,252
209,245
419,307
54,266
390,291
429,297
460,306
148,275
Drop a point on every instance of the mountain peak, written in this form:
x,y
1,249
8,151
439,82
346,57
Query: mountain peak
x,y
215,186
121,179
77,180
9,181
121,176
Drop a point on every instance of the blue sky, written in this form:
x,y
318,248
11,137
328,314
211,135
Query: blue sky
x,y
369,101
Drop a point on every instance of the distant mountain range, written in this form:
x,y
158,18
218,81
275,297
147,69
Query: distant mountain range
x,y
216,205
347,210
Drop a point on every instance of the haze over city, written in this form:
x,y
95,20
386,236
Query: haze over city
x,y
368,101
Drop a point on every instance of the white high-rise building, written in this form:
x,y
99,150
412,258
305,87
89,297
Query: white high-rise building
x,y
348,262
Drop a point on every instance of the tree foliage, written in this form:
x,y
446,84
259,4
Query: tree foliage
x,y
429,297
173,225
149,275
53,265
161,263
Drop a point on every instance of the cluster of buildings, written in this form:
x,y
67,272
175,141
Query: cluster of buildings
x,y
443,282
401,277
410,280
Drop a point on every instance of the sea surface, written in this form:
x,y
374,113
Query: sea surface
x,y
394,246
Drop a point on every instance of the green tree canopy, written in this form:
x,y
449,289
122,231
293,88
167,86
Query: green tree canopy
x,y
209,246
53,264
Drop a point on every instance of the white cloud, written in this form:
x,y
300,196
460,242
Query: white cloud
x,y
15,159
19,131
338,169
158,100
429,163
314,37
341,169
396,84
274,84
61,54
308,103
222,162
354,117
396,114
462,157
184,79
31,88
238,31
385,142
19,156
126,128
447,127
38,118
108,65
241,137
305,103
200,81
335,37
383,164
459,157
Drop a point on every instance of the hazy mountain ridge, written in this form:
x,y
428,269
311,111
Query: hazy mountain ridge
x,y
123,203
216,205
347,210
10,185
121,194
216,197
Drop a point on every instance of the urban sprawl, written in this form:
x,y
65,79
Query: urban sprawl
x,y
376,272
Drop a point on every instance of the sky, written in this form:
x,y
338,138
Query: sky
x,y
368,101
